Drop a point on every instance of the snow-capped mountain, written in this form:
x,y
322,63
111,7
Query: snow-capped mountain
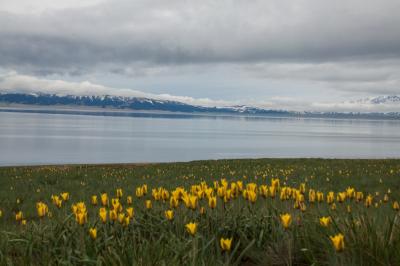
x,y
129,103
387,99
384,103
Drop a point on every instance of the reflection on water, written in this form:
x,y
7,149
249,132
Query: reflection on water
x,y
42,138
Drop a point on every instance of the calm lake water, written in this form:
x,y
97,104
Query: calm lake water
x,y
32,138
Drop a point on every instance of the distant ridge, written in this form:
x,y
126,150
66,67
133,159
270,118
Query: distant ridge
x,y
119,102
147,104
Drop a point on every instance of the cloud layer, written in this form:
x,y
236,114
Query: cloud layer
x,y
14,82
347,47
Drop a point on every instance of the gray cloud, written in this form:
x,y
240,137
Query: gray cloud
x,y
349,46
180,32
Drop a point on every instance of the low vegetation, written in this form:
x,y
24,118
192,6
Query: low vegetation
x,y
227,212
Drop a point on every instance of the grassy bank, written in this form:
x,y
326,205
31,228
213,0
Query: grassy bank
x,y
249,205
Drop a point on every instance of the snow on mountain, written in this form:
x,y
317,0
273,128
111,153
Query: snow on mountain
x,y
387,99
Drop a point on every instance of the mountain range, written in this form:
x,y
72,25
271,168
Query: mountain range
x,y
147,104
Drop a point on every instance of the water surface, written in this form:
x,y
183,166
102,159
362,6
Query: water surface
x,y
40,138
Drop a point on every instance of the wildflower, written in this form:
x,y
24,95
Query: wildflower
x,y
1,213
386,198
368,201
116,204
104,199
65,196
173,202
113,215
325,221
212,202
286,220
252,196
23,222
202,210
330,197
130,212
42,209
56,200
396,206
341,196
126,221
169,214
119,193
81,218
225,244
139,192
338,242
303,206
93,233
320,196
129,200
19,216
148,204
193,202
121,218
103,214
191,228
94,200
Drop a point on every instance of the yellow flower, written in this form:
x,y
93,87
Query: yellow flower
x,y
325,221
119,193
212,202
93,233
57,200
116,204
1,213
193,202
386,198
113,215
225,244
130,212
121,218
191,228
252,196
396,206
65,196
368,201
173,202
81,218
286,220
139,192
169,214
103,214
23,222
330,197
94,200
338,242
42,209
129,200
202,210
148,204
19,216
104,199
126,221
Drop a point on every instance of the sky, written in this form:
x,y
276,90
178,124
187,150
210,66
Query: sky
x,y
296,55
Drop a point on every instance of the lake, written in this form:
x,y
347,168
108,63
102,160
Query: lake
x,y
41,138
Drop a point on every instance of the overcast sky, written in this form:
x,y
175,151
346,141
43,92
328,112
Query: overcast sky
x,y
291,54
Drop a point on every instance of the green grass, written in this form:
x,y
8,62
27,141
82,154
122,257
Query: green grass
x,y
372,235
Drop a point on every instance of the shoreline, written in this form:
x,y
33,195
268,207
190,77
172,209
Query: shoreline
x,y
138,164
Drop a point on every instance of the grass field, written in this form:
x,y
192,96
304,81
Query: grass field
x,y
270,210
